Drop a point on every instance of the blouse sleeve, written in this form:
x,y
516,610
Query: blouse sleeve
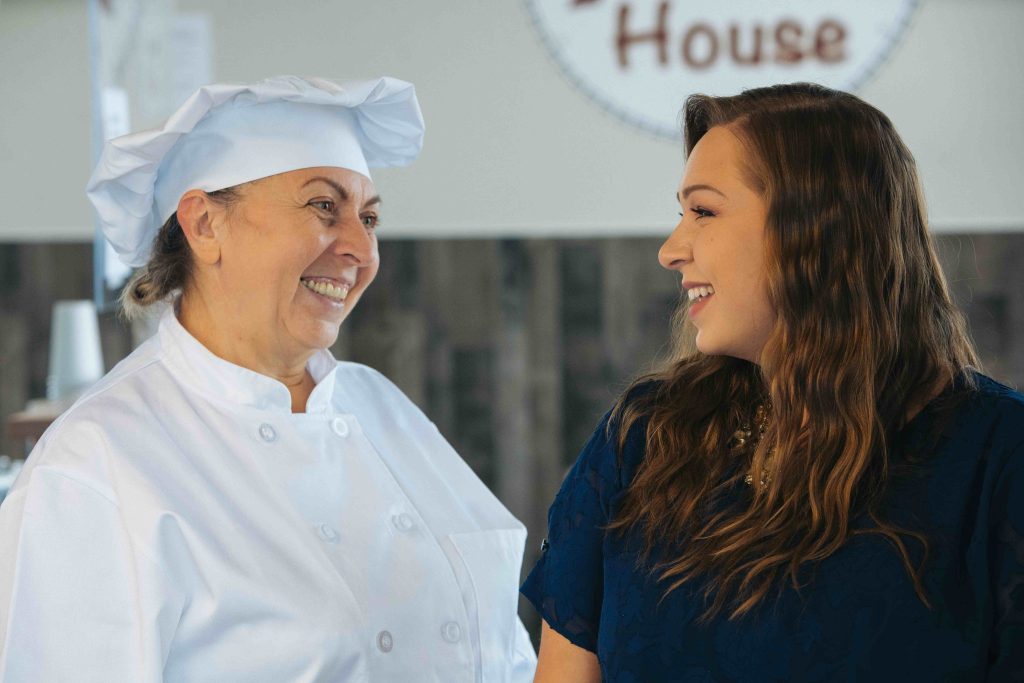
x,y
78,600
566,584
1006,655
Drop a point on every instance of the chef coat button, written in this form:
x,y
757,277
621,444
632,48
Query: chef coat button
x,y
404,522
451,632
385,642
267,433
329,533
340,427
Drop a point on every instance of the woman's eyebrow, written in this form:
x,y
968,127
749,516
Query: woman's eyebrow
x,y
688,190
342,192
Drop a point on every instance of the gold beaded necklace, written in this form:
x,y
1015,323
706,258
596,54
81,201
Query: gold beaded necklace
x,y
746,435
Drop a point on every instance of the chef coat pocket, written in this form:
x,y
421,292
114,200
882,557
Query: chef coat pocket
x,y
493,559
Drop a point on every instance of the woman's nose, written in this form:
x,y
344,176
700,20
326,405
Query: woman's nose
x,y
355,243
676,251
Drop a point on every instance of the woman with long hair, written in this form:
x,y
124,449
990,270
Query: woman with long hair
x,y
820,485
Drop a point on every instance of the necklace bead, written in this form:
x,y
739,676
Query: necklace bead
x,y
746,435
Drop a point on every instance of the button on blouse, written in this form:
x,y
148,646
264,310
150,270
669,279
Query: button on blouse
x,y
267,432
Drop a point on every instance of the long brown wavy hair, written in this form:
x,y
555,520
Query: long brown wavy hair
x,y
866,334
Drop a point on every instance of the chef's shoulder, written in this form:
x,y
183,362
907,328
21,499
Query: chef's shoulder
x,y
80,445
421,458
367,392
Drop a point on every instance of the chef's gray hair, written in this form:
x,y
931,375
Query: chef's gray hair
x,y
169,269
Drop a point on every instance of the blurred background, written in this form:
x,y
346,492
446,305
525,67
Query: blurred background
x,y
519,289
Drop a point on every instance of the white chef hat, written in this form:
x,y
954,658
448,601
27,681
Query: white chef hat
x,y
225,135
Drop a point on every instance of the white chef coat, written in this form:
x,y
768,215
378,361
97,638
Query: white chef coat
x,y
180,523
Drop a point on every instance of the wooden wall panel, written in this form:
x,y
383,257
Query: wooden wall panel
x,y
514,348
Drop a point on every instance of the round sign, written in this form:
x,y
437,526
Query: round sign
x,y
639,59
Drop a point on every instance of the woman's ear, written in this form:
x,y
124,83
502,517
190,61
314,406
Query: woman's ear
x,y
200,220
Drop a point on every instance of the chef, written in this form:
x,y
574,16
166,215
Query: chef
x,y
231,503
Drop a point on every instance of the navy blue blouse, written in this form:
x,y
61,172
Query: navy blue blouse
x,y
859,619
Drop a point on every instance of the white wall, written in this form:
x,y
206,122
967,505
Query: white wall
x,y
44,120
512,147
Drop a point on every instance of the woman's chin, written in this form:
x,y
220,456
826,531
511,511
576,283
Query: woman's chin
x,y
315,332
703,344
326,334
711,347
316,322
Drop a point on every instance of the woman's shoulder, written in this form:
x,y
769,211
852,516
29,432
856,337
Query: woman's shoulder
x,y
632,414
361,388
1001,412
365,375
980,421
618,443
991,412
73,451
77,444
420,457
992,393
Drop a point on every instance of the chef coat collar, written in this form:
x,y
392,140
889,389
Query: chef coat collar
x,y
229,384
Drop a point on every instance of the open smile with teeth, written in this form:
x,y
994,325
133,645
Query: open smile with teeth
x,y
700,293
325,288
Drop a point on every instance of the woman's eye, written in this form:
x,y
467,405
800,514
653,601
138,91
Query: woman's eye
x,y
325,205
370,222
702,213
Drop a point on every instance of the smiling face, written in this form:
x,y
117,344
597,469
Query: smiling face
x,y
298,251
718,249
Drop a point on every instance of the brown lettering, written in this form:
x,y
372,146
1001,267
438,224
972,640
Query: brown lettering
x,y
829,41
688,40
624,39
751,58
787,40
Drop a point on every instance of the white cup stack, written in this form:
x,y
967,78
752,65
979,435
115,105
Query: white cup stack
x,y
76,360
